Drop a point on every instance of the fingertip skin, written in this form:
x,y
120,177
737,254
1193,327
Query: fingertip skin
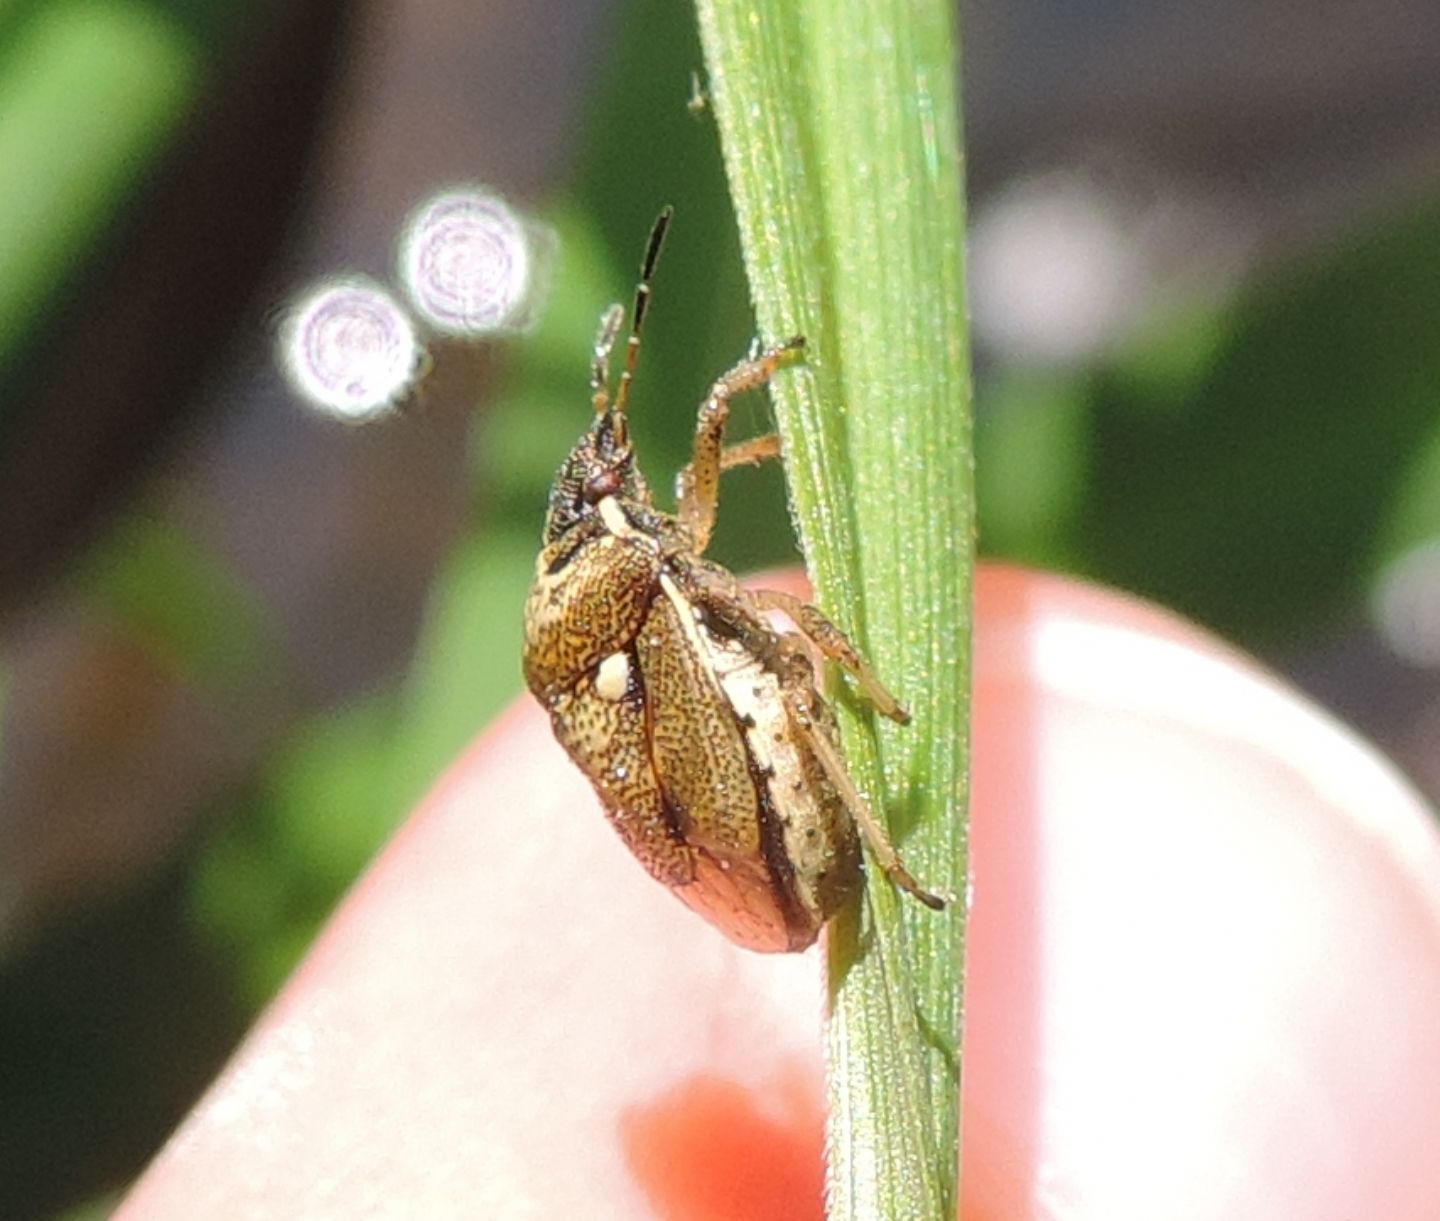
x,y
1204,964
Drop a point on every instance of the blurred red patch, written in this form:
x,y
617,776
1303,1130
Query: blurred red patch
x,y
714,1150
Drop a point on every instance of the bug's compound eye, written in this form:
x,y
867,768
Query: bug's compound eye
x,y
603,483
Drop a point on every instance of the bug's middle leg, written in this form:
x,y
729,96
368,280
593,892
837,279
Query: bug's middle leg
x,y
835,645
699,482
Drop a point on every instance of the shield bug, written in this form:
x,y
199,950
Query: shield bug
x,y
701,726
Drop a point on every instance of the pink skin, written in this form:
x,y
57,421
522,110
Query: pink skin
x,y
1204,979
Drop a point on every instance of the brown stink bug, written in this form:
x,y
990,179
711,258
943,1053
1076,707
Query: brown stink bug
x,y
700,725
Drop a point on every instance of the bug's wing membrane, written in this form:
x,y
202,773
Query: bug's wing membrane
x,y
741,904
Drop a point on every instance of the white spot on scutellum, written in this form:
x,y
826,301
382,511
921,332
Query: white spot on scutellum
x,y
350,350
612,680
473,267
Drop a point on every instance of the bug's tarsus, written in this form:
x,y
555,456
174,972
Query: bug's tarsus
x,y
642,305
910,886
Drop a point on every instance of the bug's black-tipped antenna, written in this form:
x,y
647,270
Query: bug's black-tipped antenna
x,y
642,303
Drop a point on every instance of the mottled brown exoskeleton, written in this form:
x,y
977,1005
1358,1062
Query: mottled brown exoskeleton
x,y
700,725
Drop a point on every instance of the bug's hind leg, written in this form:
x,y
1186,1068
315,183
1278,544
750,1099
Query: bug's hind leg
x,y
877,838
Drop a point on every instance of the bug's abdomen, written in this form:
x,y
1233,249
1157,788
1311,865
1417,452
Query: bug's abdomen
x,y
810,832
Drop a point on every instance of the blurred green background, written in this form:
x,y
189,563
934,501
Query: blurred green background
x,y
238,642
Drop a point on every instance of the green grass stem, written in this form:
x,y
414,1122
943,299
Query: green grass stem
x,y
840,130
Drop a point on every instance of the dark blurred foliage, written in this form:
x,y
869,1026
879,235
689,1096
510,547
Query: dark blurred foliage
x,y
238,641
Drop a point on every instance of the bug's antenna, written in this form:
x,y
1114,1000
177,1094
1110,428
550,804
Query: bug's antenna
x,y
642,303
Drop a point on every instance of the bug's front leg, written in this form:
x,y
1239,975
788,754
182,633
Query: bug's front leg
x,y
699,482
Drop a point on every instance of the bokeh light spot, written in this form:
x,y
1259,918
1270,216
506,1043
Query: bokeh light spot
x,y
349,348
471,266
1405,605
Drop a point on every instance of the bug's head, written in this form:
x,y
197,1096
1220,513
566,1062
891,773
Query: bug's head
x,y
603,463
